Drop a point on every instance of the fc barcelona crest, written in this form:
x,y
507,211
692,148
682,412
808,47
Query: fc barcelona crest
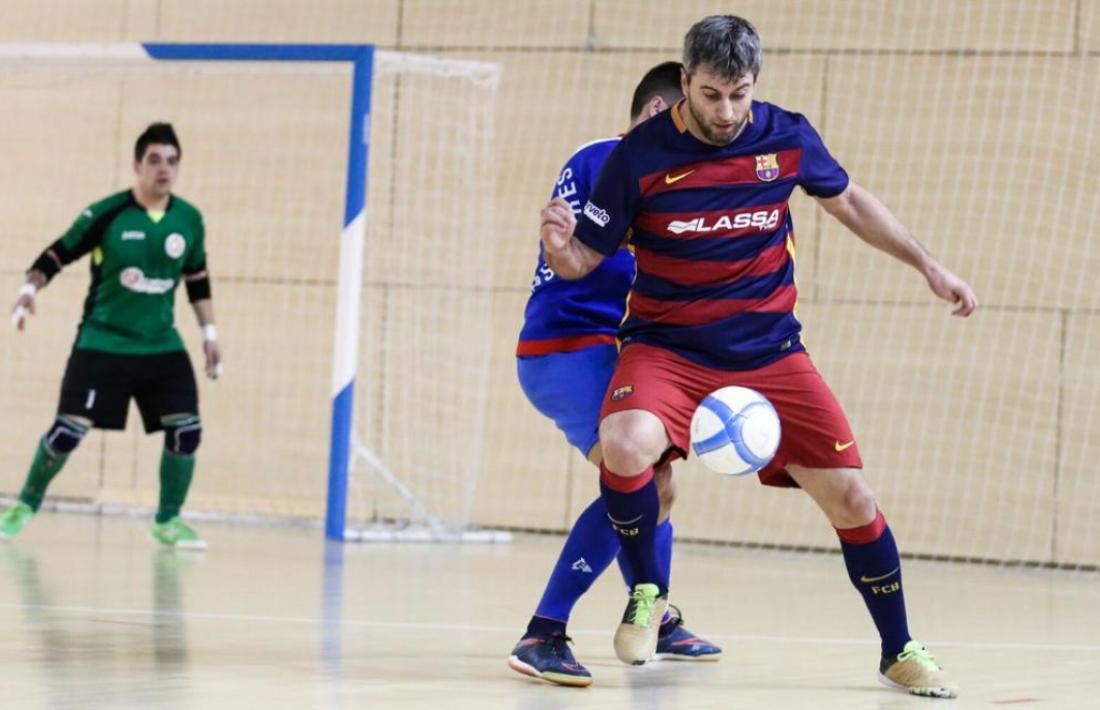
x,y
767,167
622,392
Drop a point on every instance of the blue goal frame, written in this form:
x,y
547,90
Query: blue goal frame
x,y
346,348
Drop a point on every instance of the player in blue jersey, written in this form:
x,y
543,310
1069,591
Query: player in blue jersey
x,y
565,358
702,194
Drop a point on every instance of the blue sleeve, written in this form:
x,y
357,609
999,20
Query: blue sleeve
x,y
574,182
819,173
612,204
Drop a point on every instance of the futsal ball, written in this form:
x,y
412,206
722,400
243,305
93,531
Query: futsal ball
x,y
735,431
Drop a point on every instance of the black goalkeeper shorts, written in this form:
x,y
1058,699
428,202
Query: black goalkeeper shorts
x,y
99,385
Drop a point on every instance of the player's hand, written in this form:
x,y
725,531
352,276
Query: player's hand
x,y
952,289
213,354
24,306
558,223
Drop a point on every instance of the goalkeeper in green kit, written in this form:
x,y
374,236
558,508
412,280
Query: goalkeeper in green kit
x,y
141,244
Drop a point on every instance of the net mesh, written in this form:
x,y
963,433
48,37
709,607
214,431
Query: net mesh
x,y
265,146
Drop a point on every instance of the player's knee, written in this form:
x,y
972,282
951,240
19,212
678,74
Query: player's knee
x,y
64,435
858,502
182,435
626,452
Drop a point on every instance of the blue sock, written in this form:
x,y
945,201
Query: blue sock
x,y
589,549
633,506
875,569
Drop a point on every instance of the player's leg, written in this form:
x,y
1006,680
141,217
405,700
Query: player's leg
x,y
94,389
633,441
874,566
819,453
646,411
53,450
168,402
675,642
870,553
568,388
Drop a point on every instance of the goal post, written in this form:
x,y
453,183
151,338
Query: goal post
x,y
346,331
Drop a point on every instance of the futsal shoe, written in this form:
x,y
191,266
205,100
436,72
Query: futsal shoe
x,y
636,637
177,534
917,673
676,643
15,519
549,658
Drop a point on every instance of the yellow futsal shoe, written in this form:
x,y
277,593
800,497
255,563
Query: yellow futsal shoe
x,y
917,673
636,637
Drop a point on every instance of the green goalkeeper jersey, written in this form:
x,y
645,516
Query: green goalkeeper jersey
x,y
138,258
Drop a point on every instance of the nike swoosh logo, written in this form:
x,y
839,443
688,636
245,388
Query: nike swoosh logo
x,y
879,579
841,447
670,180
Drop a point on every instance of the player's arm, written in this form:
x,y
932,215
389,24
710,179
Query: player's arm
x,y
569,257
863,213
196,279
204,314
83,236
198,292
574,249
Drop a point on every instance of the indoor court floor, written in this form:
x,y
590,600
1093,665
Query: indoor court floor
x,y
93,615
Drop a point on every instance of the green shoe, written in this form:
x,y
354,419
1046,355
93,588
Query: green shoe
x,y
915,671
636,637
178,534
14,519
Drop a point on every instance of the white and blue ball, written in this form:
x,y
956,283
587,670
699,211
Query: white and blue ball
x,y
735,431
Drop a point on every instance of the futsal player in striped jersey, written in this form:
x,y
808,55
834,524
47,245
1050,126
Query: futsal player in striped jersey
x,y
702,193
565,358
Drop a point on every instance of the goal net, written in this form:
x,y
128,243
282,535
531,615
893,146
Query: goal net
x,y
265,146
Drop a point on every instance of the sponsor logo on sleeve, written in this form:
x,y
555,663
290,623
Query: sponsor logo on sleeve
x,y
596,214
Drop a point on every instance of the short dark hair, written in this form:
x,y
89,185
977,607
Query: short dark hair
x,y
160,133
728,43
662,80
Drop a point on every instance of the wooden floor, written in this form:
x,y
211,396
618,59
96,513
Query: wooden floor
x,y
92,615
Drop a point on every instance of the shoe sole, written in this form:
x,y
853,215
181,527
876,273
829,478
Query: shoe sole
x,y
556,678
704,658
921,692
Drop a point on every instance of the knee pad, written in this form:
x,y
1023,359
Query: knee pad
x,y
63,436
182,436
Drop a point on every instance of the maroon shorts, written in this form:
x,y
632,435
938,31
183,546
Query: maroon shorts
x,y
816,433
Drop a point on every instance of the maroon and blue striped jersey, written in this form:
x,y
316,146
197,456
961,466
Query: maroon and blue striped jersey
x,y
562,315
712,234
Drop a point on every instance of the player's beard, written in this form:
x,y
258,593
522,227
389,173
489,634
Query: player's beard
x,y
713,136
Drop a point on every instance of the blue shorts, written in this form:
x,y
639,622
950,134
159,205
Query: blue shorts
x,y
569,388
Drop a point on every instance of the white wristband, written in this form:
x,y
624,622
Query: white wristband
x,y
28,289
209,333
